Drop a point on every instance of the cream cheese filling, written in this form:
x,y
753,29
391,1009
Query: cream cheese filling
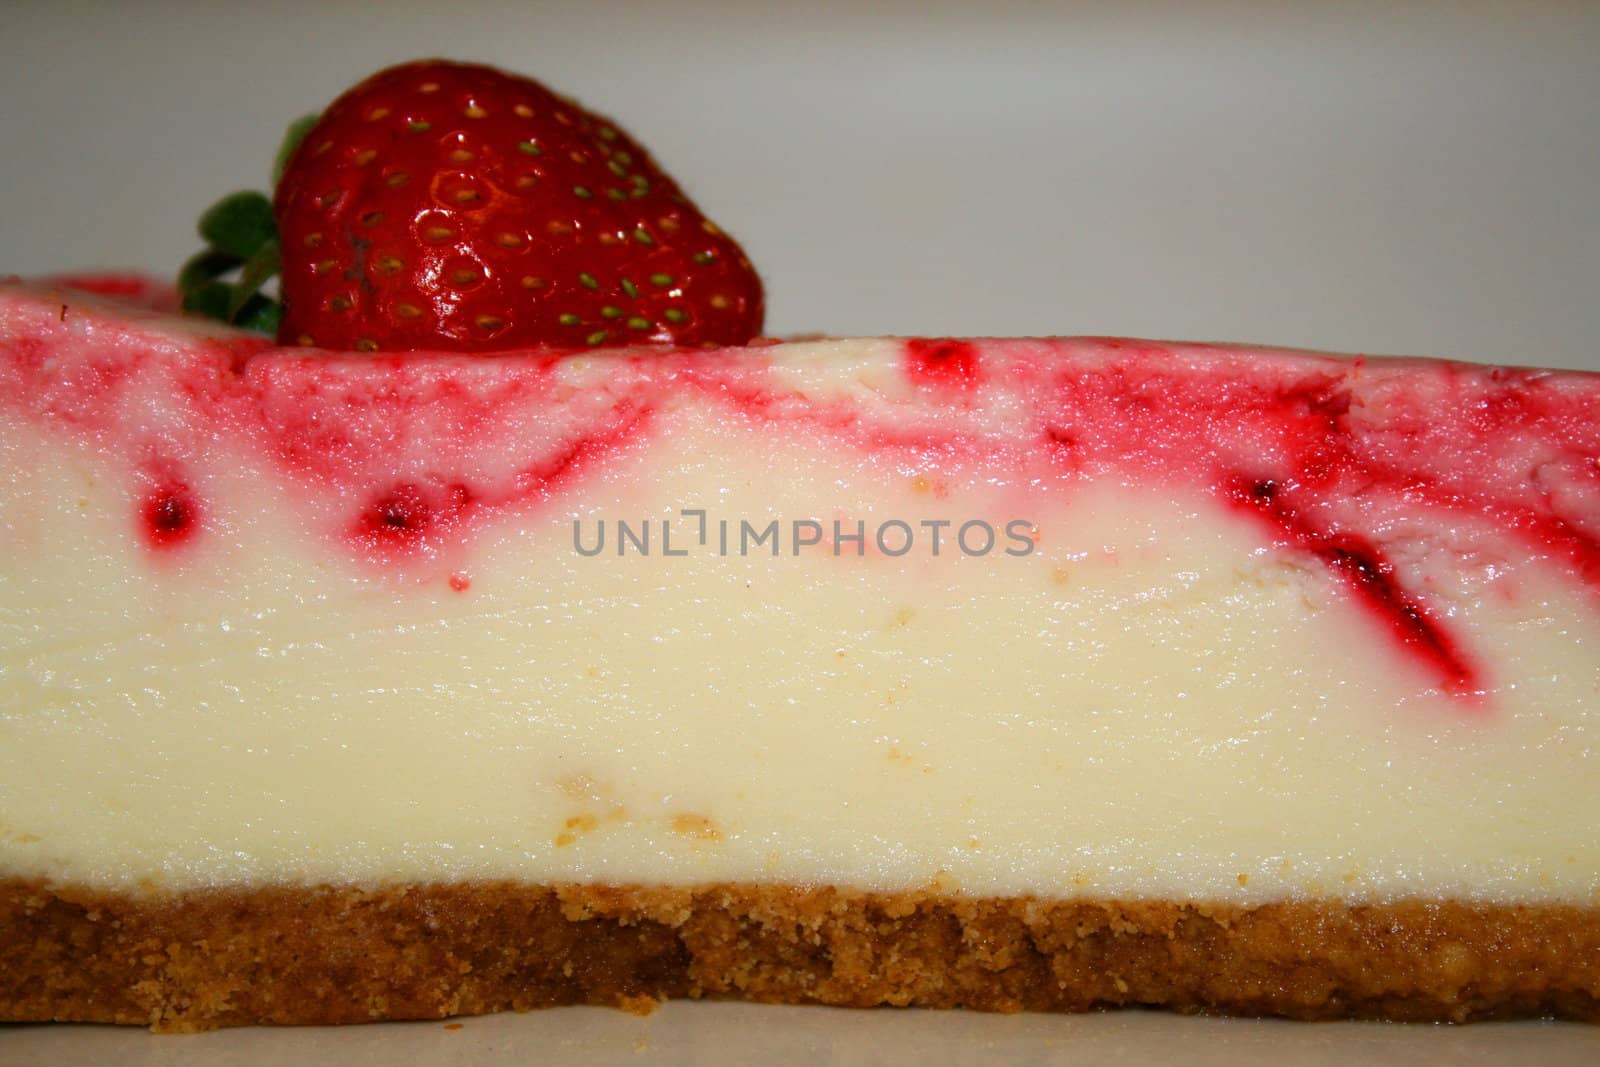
x,y
1149,704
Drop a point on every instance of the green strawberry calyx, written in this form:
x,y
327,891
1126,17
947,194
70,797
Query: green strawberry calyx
x,y
224,280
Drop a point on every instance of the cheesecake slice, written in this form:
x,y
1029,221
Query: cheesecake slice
x,y
1007,674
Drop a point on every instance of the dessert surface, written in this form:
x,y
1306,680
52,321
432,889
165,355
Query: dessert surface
x,y
1248,626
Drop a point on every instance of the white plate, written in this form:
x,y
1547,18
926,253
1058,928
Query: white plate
x,y
700,1033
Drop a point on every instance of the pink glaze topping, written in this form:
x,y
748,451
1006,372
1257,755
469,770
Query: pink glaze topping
x,y
1330,458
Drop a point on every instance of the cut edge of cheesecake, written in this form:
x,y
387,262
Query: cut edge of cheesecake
x,y
260,952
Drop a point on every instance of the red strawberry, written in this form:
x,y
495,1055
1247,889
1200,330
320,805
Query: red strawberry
x,y
449,206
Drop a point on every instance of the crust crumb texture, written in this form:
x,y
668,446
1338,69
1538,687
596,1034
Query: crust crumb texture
x,y
293,955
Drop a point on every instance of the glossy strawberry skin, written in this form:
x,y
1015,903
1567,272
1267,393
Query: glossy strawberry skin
x,y
456,207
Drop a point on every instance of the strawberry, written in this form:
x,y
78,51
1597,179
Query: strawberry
x,y
442,205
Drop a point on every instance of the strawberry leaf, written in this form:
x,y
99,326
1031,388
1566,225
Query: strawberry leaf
x,y
241,235
209,301
291,140
257,269
203,267
259,314
212,301
239,224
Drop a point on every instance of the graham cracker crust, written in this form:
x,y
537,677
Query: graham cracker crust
x,y
340,954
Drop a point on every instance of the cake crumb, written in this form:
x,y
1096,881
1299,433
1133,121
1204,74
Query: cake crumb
x,y
696,826
642,1005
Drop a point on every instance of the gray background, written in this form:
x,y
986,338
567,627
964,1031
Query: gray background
x,y
1383,177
